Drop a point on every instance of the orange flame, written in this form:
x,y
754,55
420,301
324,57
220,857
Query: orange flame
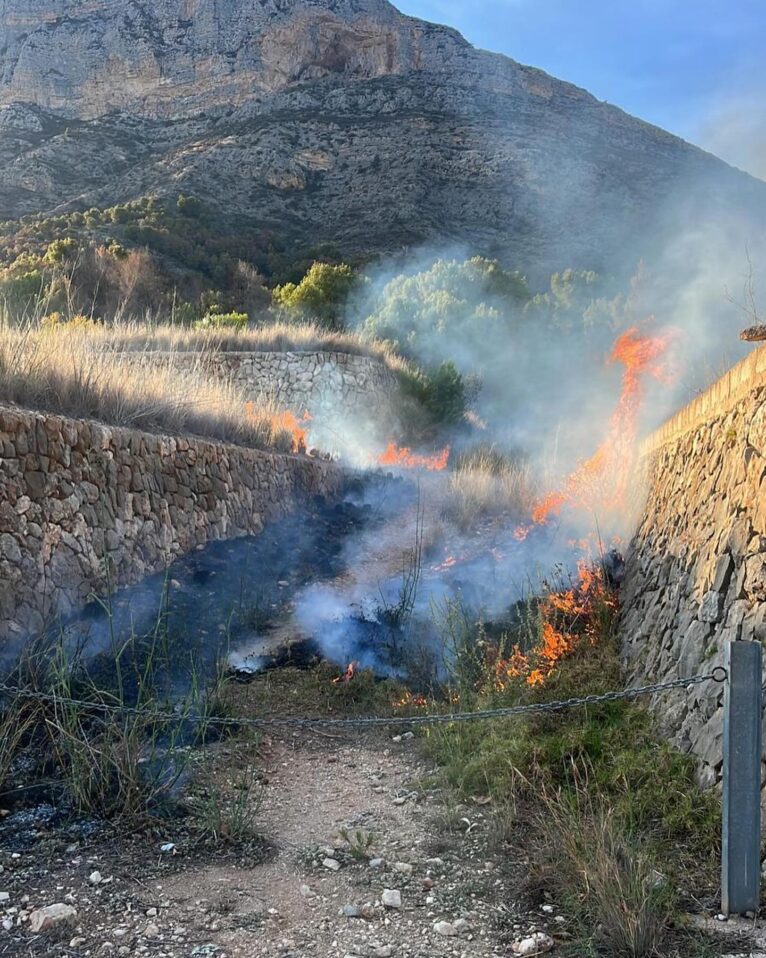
x,y
602,480
287,421
569,616
405,458
351,669
410,700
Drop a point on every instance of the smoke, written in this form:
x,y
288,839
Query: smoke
x,y
548,396
735,129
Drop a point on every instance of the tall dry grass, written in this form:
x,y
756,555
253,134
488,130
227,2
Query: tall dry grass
x,y
603,875
280,337
88,372
488,483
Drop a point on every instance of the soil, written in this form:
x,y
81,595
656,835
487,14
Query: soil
x,y
334,821
274,894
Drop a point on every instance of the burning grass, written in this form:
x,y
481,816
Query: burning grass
x,y
80,372
401,457
607,799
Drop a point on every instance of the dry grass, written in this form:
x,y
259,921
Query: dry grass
x,y
487,483
604,875
74,372
273,337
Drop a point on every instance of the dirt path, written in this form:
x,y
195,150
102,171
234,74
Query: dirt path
x,y
317,787
297,901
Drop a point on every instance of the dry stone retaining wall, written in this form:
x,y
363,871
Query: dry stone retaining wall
x,y
696,570
316,379
350,397
353,399
76,496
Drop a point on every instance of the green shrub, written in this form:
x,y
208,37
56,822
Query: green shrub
x,y
190,206
22,288
426,312
437,397
230,321
321,294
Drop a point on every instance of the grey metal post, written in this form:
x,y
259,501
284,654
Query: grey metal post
x,y
741,844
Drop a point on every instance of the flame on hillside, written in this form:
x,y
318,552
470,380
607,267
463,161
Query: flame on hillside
x,y
287,421
568,618
404,458
600,483
348,676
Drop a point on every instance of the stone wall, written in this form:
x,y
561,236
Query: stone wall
x,y
77,496
696,569
351,398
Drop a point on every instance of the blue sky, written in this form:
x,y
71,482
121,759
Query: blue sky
x,y
694,67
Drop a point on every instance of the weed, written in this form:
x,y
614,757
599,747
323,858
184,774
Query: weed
x,y
88,373
360,843
603,876
613,798
110,729
16,723
231,817
485,483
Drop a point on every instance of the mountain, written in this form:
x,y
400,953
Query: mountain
x,y
336,121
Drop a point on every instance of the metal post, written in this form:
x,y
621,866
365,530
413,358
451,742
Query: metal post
x,y
741,839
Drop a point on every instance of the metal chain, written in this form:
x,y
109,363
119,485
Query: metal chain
x,y
718,675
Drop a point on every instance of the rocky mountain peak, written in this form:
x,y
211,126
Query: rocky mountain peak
x,y
84,58
340,122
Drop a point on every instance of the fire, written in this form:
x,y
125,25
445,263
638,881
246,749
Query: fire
x,y
351,669
601,481
410,700
449,563
287,421
568,618
405,458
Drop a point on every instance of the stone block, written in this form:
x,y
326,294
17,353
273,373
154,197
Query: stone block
x,y
711,607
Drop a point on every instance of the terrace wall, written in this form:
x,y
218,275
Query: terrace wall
x,y
77,498
353,399
696,568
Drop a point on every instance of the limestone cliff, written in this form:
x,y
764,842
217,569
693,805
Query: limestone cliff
x,y
332,120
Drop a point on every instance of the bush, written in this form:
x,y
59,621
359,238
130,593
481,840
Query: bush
x,y
321,294
57,320
427,312
60,250
190,206
230,321
433,398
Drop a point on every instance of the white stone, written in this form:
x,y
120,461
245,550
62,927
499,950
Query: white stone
x,y
391,898
537,944
44,918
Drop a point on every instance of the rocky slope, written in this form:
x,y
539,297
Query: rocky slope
x,y
338,121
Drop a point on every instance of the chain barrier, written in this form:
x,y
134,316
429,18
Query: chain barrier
x,y
718,675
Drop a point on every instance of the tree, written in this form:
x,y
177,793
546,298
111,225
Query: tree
x,y
321,294
435,311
